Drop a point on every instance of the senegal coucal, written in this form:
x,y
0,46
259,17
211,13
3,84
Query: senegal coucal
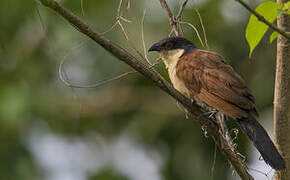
x,y
207,78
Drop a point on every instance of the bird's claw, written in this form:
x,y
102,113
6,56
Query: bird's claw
x,y
212,113
192,101
204,130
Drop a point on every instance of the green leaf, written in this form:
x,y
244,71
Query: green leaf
x,y
273,36
255,28
286,8
287,5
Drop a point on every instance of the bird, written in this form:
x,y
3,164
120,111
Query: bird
x,y
206,78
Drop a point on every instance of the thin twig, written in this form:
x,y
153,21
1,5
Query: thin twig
x,y
203,29
126,20
95,85
119,8
143,38
171,18
128,4
82,7
195,29
121,54
118,19
110,29
179,15
41,20
123,30
171,32
262,19
213,163
65,79
137,51
182,7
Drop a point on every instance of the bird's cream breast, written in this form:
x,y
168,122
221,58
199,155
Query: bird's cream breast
x,y
170,59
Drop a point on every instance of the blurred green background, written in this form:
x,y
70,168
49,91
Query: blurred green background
x,y
124,130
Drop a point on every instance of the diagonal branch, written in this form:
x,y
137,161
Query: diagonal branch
x,y
262,19
121,54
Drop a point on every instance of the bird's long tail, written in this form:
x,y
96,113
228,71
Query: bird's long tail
x,y
258,135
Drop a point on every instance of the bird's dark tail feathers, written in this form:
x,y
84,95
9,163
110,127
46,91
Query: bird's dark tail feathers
x,y
258,135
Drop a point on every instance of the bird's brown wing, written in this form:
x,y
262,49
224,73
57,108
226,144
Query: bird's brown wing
x,y
215,83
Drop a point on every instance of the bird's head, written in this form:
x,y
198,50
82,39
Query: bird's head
x,y
172,43
172,48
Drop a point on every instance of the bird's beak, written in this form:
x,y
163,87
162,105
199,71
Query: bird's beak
x,y
155,47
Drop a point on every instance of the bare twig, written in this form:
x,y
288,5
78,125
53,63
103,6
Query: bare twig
x,y
121,54
176,23
143,38
195,29
171,32
65,79
95,85
123,30
110,29
67,83
178,17
262,19
182,7
213,163
157,61
172,20
82,7
203,29
118,19
128,4
41,20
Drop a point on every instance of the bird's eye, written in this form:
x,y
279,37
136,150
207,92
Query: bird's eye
x,y
169,45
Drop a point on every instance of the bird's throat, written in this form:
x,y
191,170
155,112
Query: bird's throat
x,y
170,58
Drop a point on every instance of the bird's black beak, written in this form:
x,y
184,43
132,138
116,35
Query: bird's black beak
x,y
155,47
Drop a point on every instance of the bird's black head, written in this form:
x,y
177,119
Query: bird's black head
x,y
172,43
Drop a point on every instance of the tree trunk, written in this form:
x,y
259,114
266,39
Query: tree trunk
x,y
282,96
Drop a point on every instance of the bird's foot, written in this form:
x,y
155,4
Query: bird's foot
x,y
183,109
204,130
242,157
192,101
187,114
212,113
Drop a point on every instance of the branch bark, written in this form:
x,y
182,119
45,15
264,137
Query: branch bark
x,y
171,17
121,54
262,19
282,96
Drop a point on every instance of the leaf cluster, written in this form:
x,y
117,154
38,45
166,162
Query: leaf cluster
x,y
256,29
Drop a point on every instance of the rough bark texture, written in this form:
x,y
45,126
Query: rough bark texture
x,y
282,96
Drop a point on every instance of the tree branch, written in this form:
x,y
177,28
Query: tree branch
x,y
182,7
171,18
121,54
262,19
282,96
178,17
